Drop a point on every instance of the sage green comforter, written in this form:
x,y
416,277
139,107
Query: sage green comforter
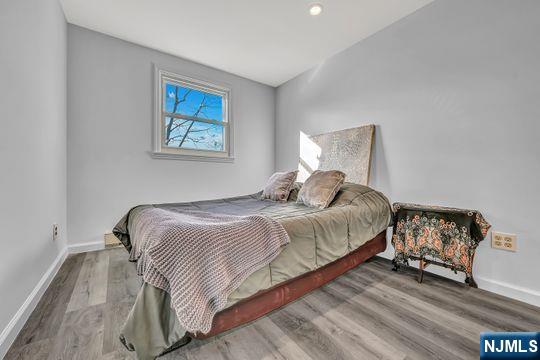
x,y
317,237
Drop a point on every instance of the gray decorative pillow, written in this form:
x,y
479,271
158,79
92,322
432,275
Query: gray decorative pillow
x,y
320,188
279,186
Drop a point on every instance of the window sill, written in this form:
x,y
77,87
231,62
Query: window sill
x,y
185,157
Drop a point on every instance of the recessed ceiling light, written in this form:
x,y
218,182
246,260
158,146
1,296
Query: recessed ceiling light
x,y
315,9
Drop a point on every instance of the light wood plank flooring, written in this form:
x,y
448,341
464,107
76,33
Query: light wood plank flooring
x,y
370,312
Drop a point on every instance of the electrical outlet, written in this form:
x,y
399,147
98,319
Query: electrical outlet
x,y
55,232
503,241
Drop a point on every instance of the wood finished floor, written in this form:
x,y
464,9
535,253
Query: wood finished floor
x,y
370,312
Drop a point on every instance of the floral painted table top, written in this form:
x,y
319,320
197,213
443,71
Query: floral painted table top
x,y
449,234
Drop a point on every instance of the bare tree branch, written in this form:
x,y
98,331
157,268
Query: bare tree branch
x,y
179,125
191,132
202,105
175,107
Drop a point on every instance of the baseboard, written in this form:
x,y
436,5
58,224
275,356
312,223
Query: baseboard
x,y
512,291
84,247
10,332
528,296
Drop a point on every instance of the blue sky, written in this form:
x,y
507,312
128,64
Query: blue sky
x,y
201,135
213,110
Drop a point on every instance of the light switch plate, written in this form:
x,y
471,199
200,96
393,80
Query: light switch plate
x,y
503,241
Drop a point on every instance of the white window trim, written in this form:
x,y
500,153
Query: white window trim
x,y
162,152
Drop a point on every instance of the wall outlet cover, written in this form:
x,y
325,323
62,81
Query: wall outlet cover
x,y
55,232
503,241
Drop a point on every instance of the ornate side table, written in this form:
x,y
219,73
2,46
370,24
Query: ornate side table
x,y
431,233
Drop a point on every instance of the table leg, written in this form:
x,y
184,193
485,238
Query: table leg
x,y
421,270
469,277
470,280
396,265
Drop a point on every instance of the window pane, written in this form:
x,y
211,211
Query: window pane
x,y
187,134
191,102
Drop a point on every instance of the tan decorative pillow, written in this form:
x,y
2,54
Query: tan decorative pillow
x,y
295,189
279,186
320,188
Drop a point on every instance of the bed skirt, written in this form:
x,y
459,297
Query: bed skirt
x,y
265,301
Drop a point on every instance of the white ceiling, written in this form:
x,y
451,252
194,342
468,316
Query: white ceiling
x,y
268,41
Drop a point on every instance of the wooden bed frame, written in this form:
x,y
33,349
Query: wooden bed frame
x,y
265,301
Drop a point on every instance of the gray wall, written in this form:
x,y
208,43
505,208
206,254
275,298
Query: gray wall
x,y
454,91
110,92
32,146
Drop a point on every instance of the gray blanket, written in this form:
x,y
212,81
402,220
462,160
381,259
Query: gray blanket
x,y
200,258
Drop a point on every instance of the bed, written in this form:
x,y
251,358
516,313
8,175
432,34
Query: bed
x,y
324,243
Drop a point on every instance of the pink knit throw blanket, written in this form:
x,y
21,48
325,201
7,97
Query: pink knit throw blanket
x,y
200,258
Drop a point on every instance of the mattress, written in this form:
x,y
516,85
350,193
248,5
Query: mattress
x,y
317,237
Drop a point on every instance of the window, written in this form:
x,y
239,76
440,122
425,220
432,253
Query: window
x,y
192,119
